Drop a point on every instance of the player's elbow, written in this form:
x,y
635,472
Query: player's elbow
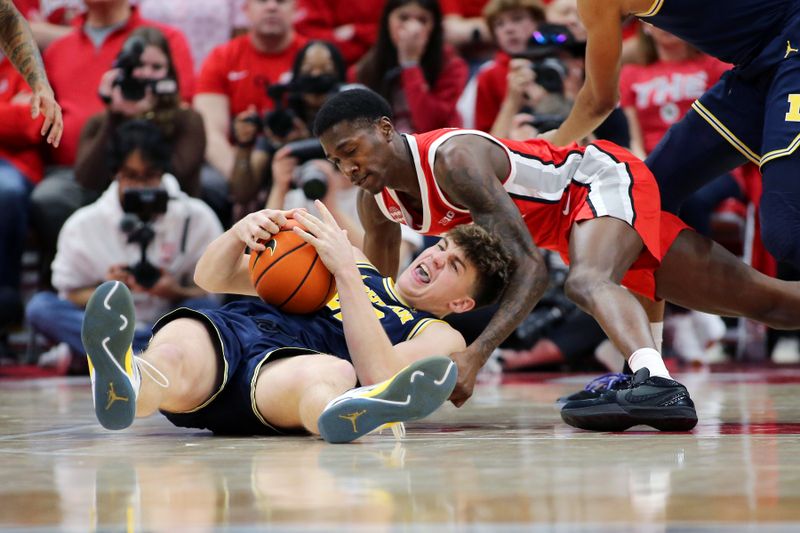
x,y
603,103
203,280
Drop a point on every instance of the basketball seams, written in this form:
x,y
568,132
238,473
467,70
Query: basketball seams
x,y
301,282
293,286
278,260
258,254
327,296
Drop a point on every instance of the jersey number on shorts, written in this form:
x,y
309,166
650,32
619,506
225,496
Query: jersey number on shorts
x,y
794,108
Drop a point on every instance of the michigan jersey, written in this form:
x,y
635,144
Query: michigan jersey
x,y
735,31
322,331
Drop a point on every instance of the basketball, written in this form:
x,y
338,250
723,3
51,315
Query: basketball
x,y
290,275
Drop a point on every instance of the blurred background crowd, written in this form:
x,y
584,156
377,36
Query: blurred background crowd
x,y
181,116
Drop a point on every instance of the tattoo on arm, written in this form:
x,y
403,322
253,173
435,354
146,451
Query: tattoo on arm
x,y
18,45
475,186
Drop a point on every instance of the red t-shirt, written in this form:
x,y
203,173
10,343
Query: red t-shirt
x,y
241,72
492,84
465,8
662,92
319,19
74,67
19,135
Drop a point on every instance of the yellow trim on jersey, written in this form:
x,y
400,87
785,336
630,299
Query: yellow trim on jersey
x,y
225,370
388,284
421,325
775,154
715,123
367,264
655,7
257,373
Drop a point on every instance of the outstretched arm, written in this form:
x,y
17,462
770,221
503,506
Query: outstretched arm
x,y
600,91
468,168
374,357
16,41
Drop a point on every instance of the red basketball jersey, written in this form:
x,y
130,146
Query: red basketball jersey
x,y
553,188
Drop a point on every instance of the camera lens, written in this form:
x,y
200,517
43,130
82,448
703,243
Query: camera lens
x,y
312,180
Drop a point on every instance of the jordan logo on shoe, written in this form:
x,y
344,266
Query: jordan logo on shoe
x,y
352,417
112,397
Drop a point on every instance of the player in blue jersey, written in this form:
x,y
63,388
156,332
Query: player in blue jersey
x,y
249,368
751,114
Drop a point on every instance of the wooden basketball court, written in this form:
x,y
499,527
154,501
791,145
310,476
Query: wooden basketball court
x,y
504,462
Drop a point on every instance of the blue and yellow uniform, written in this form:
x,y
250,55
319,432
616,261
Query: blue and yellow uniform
x,y
751,114
249,333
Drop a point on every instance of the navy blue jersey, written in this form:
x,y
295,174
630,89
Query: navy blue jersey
x,y
735,31
249,333
323,330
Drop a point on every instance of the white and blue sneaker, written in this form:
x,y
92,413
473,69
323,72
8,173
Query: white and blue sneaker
x,y
109,323
413,393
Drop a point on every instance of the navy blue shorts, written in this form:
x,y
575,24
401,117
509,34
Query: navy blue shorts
x,y
756,107
244,343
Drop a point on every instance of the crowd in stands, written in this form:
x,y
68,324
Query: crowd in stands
x,y
213,102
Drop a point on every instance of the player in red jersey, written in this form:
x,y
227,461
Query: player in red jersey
x,y
598,206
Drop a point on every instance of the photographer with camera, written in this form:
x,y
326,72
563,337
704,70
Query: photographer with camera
x,y
511,23
276,153
142,85
143,231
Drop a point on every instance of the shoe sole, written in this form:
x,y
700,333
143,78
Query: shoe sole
x,y
613,417
107,334
413,393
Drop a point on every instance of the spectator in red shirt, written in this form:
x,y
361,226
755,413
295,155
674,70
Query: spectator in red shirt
x,y
20,169
236,75
511,22
413,69
351,25
657,94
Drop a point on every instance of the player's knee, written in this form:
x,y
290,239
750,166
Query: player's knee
x,y
334,371
172,360
582,285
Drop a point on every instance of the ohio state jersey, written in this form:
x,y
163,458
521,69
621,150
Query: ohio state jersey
x,y
550,185
553,188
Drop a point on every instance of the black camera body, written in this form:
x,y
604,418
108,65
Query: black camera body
x,y
141,206
544,48
308,176
288,98
134,89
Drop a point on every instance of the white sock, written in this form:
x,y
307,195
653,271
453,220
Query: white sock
x,y
657,329
650,359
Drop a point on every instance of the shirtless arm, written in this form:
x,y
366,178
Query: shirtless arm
x,y
600,91
467,169
16,41
381,236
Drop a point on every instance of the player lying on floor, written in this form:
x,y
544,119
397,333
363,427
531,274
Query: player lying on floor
x,y
249,368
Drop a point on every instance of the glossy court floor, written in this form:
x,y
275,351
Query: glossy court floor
x,y
504,462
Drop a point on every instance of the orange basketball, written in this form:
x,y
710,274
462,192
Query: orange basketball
x,y
290,275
